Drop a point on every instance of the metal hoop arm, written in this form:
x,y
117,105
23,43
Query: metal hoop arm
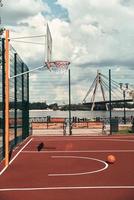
x,y
55,64
27,72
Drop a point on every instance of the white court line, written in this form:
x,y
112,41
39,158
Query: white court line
x,y
88,139
82,136
3,170
67,188
81,151
20,151
16,156
80,173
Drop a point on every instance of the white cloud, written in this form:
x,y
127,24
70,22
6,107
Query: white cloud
x,y
62,43
98,33
100,29
60,94
33,77
15,10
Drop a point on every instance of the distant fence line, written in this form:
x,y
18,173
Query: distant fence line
x,y
74,119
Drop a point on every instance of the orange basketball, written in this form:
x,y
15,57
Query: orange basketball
x,y
111,159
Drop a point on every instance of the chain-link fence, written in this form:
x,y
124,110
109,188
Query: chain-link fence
x,y
18,101
1,101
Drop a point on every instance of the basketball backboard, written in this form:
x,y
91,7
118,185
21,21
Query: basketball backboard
x,y
48,45
57,66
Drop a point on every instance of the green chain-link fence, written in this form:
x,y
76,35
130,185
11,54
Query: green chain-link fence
x,y
18,102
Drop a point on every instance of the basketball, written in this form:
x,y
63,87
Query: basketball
x,y
111,159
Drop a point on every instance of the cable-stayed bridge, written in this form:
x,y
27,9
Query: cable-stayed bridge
x,y
99,89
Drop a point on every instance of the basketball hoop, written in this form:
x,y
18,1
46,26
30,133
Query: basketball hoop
x,y
59,67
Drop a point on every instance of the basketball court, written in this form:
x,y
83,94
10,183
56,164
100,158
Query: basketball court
x,y
70,168
64,167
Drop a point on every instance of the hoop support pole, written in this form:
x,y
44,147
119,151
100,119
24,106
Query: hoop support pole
x,y
7,98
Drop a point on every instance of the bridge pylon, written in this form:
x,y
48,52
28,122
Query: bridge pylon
x,y
94,86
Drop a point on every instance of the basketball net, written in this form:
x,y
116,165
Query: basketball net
x,y
59,67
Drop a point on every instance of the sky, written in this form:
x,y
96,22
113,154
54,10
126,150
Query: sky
x,y
91,34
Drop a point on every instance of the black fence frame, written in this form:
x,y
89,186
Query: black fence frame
x,y
19,105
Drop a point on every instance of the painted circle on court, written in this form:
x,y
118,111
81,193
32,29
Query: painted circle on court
x,y
105,166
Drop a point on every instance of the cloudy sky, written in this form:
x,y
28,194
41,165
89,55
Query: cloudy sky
x,y
92,34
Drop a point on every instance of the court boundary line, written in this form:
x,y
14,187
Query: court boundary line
x,y
3,170
83,139
90,136
81,151
67,188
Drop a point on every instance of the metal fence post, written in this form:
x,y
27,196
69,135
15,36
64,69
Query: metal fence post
x,y
3,97
110,109
15,98
69,82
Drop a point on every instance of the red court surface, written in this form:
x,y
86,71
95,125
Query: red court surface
x,y
70,168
